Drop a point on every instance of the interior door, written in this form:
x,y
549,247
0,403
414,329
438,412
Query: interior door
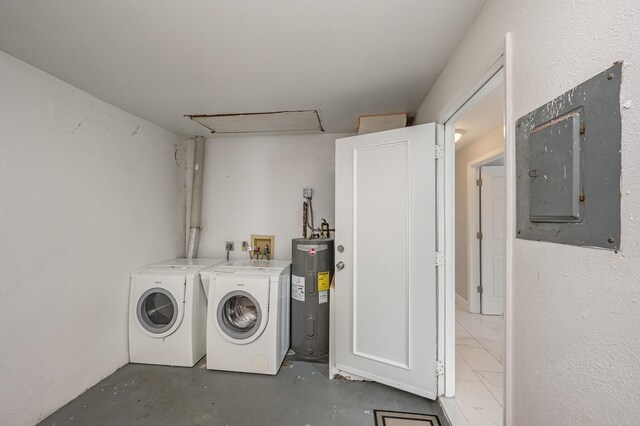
x,y
493,222
385,281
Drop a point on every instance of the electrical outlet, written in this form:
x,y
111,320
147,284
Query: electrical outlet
x,y
228,246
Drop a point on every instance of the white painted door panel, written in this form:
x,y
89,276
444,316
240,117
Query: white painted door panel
x,y
493,224
385,297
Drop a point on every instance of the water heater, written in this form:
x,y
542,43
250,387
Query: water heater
x,y
311,274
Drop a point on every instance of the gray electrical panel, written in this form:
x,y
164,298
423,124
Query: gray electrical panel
x,y
568,166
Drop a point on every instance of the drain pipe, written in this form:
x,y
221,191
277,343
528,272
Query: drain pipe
x,y
196,199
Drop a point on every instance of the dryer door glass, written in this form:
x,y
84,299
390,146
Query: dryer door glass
x,y
157,310
239,315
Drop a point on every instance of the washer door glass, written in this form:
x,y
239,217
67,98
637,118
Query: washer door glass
x,y
239,315
157,310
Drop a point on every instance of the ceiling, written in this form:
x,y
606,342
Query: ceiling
x,y
161,59
482,118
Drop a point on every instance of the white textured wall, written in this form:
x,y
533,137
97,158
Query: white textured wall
x,y
87,193
576,311
472,151
576,349
479,49
253,185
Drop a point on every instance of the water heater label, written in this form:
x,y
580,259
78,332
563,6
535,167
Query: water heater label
x,y
315,247
297,288
323,281
324,297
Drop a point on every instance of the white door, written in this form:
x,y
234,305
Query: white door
x,y
493,210
385,293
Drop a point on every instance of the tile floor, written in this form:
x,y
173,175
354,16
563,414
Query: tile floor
x,y
479,370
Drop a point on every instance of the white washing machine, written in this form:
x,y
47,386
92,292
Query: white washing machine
x,y
248,315
202,263
167,313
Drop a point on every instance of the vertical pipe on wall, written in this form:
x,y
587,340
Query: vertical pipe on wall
x,y
196,199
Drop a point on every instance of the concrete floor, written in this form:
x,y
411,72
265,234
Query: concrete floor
x,y
301,394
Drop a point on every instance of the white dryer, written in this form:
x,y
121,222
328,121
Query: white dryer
x,y
248,315
167,313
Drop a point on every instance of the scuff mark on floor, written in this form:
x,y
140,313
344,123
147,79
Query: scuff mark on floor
x,y
175,155
135,132
338,412
343,378
300,379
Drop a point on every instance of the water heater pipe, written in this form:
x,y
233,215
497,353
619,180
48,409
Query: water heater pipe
x,y
196,199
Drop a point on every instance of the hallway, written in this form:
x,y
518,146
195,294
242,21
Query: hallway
x,y
479,396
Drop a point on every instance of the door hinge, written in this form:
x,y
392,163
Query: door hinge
x,y
479,289
479,182
439,368
439,152
479,235
439,259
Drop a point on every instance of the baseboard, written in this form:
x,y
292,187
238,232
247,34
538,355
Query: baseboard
x,y
462,302
449,409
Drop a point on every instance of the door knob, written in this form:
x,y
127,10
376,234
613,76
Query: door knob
x,y
340,265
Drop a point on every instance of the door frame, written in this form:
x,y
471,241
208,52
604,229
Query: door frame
x,y
473,225
446,348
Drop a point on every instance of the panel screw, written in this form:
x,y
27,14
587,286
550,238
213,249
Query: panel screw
x,y
582,198
611,240
610,76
